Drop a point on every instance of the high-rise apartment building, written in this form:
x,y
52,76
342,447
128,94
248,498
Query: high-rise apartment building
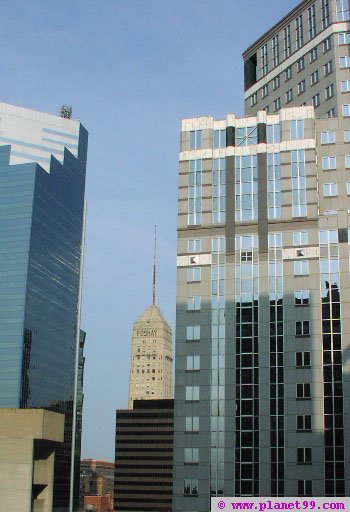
x,y
42,183
302,60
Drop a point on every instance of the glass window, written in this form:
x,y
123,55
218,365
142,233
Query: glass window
x,y
246,176
264,60
314,78
300,64
302,359
344,61
346,110
276,82
343,10
304,456
289,95
301,268
300,238
193,363
219,191
315,100
194,246
330,189
286,42
191,455
193,332
301,87
328,68
194,303
348,188
195,139
195,192
344,38
288,73
329,91
331,112
193,274
346,135
298,183
265,91
274,186
328,236
219,139
312,21
327,44
303,391
253,99
302,328
273,133
190,487
313,54
305,486
192,393
246,136
297,129
325,13
304,422
277,104
275,51
299,36
347,161
329,163
301,297
192,424
327,137
345,85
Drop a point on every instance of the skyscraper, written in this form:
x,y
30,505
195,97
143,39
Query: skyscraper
x,y
151,367
261,380
42,184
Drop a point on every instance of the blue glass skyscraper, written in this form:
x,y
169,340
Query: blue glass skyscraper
x,y
42,185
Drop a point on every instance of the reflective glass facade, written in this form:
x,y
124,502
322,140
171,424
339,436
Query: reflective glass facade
x,y
41,226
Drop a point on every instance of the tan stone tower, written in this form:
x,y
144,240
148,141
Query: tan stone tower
x,y
151,368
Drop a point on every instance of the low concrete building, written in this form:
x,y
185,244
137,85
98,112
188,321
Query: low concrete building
x,y
28,438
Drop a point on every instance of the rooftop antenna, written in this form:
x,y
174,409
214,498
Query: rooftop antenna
x,y
154,265
66,111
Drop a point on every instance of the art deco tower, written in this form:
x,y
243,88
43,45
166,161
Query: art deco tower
x,y
151,369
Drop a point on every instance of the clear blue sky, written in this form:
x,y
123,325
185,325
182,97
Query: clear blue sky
x,y
131,69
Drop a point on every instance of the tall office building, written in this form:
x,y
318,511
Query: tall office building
x,y
262,379
302,60
42,183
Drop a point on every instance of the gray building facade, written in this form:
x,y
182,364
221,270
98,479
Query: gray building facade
x,y
302,60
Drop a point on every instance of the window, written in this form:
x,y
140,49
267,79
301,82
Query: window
x,y
304,456
303,391
300,238
286,42
346,110
301,268
246,136
194,246
313,54
301,298
192,424
194,303
219,190
329,91
343,13
191,455
327,137
328,68
193,332
277,104
305,486
300,64
193,363
289,95
315,100
190,487
196,139
329,163
348,188
344,38
299,203
301,87
266,109
264,60
302,359
275,51
265,91
346,135
192,393
219,139
302,328
193,274
312,21
331,112
330,189
288,73
195,192
253,99
299,36
344,61
297,129
246,197
329,236
273,133
345,85
327,45
325,13
304,422
314,77
276,82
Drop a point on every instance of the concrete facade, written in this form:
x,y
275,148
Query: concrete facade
x,y
151,368
28,439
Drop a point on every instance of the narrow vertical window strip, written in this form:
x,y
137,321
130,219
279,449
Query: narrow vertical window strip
x,y
195,192
219,190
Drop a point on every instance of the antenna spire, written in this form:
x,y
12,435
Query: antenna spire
x,y
154,265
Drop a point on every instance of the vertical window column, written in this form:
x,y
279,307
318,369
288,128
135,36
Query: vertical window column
x,y
195,192
219,190
247,366
246,175
217,391
299,183
276,364
274,185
